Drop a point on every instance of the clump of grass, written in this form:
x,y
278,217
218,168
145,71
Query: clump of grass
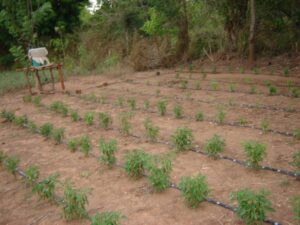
x,y
107,218
32,175
37,101
296,160
255,153
105,120
74,116
135,163
73,144
295,202
27,98
198,85
183,139
21,120
162,107
194,189
59,107
46,130
74,204
296,134
294,91
199,116
146,104
85,145
132,103
151,131
8,116
253,89
108,150
220,117
214,146
178,112
124,122
183,84
11,164
214,85
46,188
264,126
58,135
272,90
252,207
159,173
232,87
89,118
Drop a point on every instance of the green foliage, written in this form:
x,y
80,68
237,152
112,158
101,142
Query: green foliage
x,y
135,163
85,145
37,101
46,188
11,164
252,207
46,130
107,218
146,104
58,135
132,103
21,120
151,131
162,107
194,189
74,116
178,112
294,91
232,87
74,204
59,107
214,85
220,117
108,150
199,116
27,98
214,146
242,70
272,90
32,175
295,202
73,144
159,173
89,118
286,72
255,153
183,139
296,134
296,160
8,116
105,120
124,122
264,126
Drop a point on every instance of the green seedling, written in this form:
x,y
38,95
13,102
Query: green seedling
x,y
194,190
286,72
183,139
8,116
74,116
132,103
89,118
135,163
178,112
58,135
105,120
124,122
199,116
59,107
232,87
85,145
243,121
255,153
264,126
214,146
152,132
120,102
146,104
107,218
220,117
11,164
295,202
272,90
162,107
294,91
214,85
46,130
21,120
73,144
108,150
46,188
32,175
252,207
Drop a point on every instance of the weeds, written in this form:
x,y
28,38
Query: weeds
x,y
178,112
105,120
32,175
183,139
11,164
199,116
135,163
58,135
46,130
74,116
89,118
252,207
73,144
194,189
214,146
107,218
255,153
162,107
132,103
46,188
124,122
151,131
85,145
220,117
108,150
295,202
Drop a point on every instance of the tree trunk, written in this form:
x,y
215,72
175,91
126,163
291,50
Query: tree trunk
x,y
252,33
183,33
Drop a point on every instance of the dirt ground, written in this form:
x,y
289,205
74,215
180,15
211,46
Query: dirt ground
x,y
112,190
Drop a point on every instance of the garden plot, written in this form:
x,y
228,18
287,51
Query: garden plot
x,y
143,114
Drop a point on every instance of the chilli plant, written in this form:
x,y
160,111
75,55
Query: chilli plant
x,y
11,164
46,130
199,116
85,145
152,131
21,120
296,160
124,122
178,112
194,189
108,150
295,202
252,207
220,117
162,107
183,139
8,116
46,188
107,218
58,135
255,153
74,116
89,118
32,174
132,103
105,120
135,163
214,146
73,144
59,107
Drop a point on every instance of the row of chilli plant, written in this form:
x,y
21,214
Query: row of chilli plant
x,y
252,207
74,200
182,139
178,113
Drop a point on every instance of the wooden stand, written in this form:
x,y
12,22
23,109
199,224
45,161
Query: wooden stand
x,y
36,70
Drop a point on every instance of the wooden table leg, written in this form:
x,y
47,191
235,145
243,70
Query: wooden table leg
x,y
52,79
28,81
61,76
38,81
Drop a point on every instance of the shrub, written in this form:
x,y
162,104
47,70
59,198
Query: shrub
x,y
73,144
294,92
264,126
89,118
199,116
214,146
58,135
108,150
132,103
46,130
74,116
85,145
159,173
162,107
178,112
146,104
21,120
151,131
46,188
296,160
107,218
32,175
183,139
295,202
59,107
232,87
272,90
252,207
37,101
8,116
255,153
135,163
194,189
105,120
27,98
220,116
296,134
11,164
75,201
124,122
183,84
214,85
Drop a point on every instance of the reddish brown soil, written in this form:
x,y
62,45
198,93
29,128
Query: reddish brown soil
x,y
111,189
